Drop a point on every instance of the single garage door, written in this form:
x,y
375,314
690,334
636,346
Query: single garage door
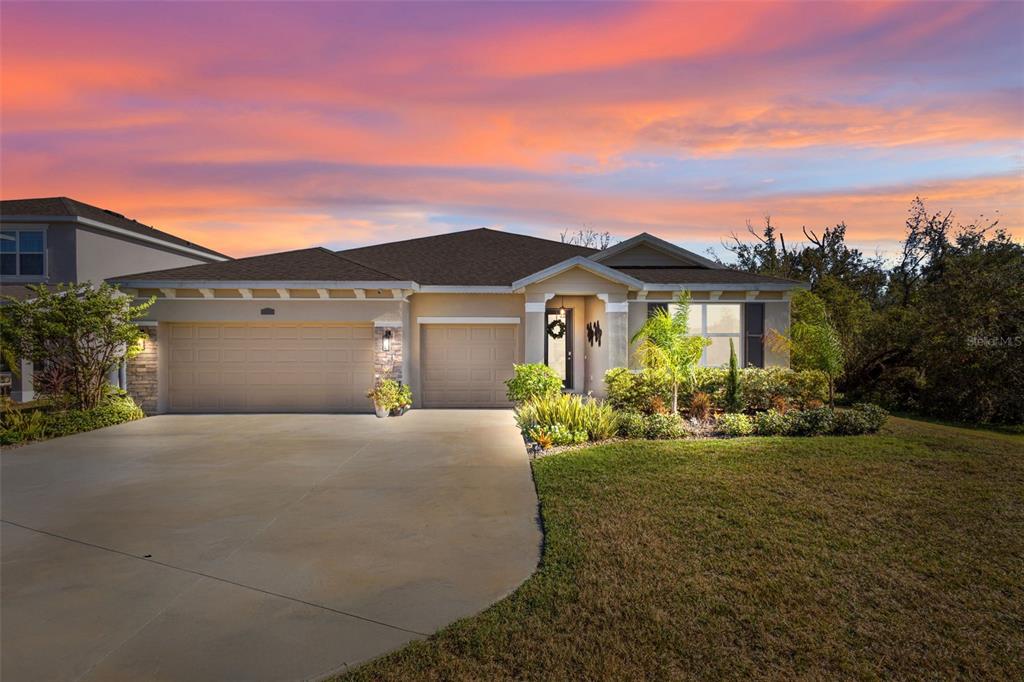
x,y
466,365
254,367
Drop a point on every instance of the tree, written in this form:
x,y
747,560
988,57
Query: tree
x,y
667,349
75,334
733,398
588,237
813,342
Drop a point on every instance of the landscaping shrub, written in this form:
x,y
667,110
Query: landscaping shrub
x,y
630,391
532,380
566,419
632,425
556,434
663,426
710,380
20,426
700,406
764,388
770,423
116,410
862,418
733,390
24,425
818,421
735,424
808,387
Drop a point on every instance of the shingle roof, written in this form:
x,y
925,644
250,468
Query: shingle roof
x,y
478,257
63,206
691,275
315,264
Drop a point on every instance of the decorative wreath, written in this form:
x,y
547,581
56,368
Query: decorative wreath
x,y
556,329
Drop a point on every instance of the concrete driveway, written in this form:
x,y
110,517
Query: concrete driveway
x,y
256,547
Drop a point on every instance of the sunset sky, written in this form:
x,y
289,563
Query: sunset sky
x,y
252,127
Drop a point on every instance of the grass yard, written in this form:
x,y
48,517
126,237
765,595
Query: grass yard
x,y
873,557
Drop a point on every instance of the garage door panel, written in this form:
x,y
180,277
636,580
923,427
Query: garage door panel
x,y
465,365
241,367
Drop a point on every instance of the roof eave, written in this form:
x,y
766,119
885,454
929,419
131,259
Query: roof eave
x,y
725,286
212,255
260,284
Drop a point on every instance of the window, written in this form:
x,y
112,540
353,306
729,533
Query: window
x,y
717,322
23,252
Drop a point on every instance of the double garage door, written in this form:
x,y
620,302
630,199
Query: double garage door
x,y
466,365
251,367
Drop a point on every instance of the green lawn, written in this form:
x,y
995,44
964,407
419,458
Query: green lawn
x,y
898,555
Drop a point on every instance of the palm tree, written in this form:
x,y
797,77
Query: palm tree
x,y
667,348
813,342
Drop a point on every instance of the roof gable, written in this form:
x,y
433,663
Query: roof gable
x,y
646,250
581,263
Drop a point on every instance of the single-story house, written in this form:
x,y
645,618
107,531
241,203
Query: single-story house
x,y
310,330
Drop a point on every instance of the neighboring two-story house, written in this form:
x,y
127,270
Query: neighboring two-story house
x,y
57,239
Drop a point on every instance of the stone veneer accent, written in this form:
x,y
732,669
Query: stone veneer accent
x,y
142,374
387,363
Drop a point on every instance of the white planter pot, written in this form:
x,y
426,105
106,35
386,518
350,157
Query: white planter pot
x,y
381,412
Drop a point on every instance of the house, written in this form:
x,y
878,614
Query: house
x,y
57,239
309,330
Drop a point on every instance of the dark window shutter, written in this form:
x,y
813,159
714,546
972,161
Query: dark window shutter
x,y
754,316
651,307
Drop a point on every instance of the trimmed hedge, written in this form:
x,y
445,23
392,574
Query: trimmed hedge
x,y
760,389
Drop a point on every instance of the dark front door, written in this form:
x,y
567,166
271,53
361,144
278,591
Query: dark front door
x,y
558,351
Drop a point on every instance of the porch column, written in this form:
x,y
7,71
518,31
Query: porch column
x,y
536,304
616,333
23,387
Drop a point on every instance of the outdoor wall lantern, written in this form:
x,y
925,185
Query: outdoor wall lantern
x,y
386,341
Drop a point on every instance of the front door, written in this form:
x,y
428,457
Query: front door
x,y
558,343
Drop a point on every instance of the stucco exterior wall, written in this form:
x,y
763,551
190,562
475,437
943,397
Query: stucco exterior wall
x,y
99,256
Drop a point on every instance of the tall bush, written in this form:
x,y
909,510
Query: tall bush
x,y
531,380
76,334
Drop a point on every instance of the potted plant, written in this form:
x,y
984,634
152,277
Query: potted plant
x,y
386,396
404,401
